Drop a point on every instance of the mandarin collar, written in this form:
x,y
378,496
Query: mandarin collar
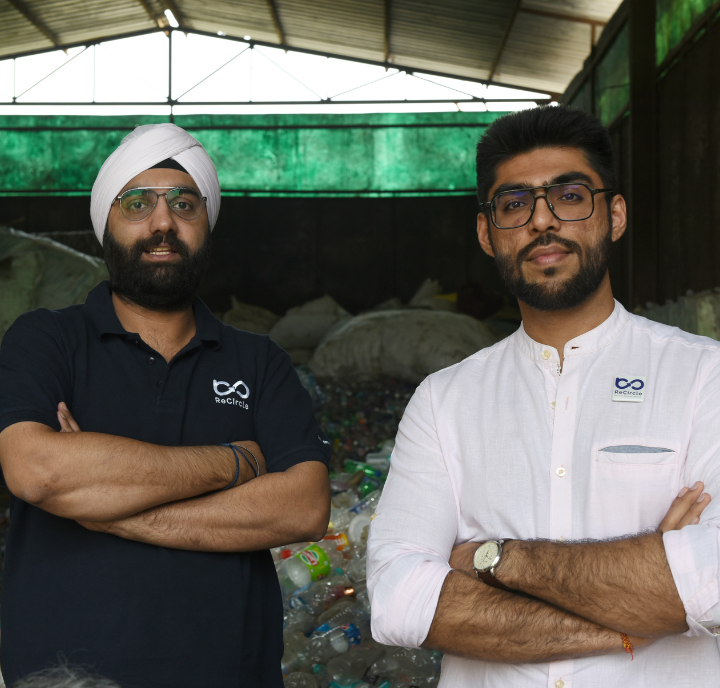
x,y
595,339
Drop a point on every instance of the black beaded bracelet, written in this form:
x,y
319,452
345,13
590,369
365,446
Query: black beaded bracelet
x,y
237,465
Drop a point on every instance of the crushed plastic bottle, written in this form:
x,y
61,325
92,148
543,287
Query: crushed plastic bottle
x,y
312,563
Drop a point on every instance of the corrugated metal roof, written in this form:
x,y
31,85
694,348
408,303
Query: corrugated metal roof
x,y
546,44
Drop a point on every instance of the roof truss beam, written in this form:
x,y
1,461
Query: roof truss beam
x,y
272,8
160,19
503,41
388,17
307,51
21,6
563,17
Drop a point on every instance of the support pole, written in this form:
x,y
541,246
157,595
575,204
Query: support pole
x,y
642,239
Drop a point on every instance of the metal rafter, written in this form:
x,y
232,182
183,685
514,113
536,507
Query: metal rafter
x,y
272,8
40,25
506,35
388,17
562,16
159,18
267,44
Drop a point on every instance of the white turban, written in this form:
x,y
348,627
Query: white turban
x,y
144,147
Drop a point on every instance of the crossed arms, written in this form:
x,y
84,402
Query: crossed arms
x,y
165,496
561,600
565,600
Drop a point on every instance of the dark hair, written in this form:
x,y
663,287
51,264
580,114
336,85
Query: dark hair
x,y
544,127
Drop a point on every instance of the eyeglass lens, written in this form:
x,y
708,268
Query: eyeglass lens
x,y
569,202
137,204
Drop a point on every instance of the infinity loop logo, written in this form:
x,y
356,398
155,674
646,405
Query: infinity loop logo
x,y
231,388
636,384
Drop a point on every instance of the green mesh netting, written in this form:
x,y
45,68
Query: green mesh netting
x,y
673,20
360,155
612,78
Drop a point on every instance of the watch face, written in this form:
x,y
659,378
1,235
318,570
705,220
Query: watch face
x,y
485,555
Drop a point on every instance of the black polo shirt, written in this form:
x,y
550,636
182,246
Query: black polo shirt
x,y
146,616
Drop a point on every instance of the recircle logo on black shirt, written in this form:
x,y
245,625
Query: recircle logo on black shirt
x,y
224,392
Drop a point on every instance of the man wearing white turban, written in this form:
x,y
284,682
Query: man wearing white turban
x,y
139,545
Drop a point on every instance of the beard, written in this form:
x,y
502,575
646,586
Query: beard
x,y
166,287
594,261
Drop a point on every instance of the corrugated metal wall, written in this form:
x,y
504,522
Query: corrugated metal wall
x,y
688,110
686,250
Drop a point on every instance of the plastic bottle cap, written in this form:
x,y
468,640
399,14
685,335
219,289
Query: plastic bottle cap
x,y
297,572
357,526
286,554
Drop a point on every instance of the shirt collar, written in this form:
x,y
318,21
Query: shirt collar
x,y
595,339
100,311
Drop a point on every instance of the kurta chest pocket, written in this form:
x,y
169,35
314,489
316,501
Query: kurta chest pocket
x,y
636,455
632,486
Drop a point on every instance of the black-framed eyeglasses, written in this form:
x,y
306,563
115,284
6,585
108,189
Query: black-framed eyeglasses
x,y
137,204
567,202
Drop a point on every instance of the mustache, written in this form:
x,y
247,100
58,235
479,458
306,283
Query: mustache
x,y
170,239
546,240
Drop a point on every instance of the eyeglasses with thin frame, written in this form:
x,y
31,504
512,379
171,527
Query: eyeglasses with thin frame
x,y
567,202
137,204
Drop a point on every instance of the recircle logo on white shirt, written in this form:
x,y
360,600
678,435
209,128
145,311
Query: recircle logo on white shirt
x,y
629,388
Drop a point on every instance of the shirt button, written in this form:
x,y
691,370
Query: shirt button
x,y
157,384
559,683
560,471
546,354
151,360
552,404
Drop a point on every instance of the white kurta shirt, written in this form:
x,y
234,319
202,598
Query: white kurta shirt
x,y
502,445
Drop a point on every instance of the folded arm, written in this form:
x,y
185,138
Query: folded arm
x,y
98,477
476,621
625,585
274,509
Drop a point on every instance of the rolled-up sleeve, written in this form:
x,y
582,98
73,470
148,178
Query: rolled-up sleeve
x,y
693,553
413,532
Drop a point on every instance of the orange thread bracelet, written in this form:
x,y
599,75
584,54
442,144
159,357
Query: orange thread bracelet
x,y
627,645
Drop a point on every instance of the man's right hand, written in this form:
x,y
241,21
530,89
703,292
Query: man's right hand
x,y
685,509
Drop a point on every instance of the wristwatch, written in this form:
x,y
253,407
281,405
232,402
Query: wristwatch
x,y
487,557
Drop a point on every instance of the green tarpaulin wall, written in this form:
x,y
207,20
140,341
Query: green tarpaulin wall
x,y
296,155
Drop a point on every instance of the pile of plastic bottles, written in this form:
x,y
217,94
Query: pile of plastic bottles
x,y
328,643
357,418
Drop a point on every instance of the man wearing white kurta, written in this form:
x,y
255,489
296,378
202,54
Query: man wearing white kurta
x,y
570,441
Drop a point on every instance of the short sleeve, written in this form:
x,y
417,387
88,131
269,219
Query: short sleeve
x,y
34,371
285,425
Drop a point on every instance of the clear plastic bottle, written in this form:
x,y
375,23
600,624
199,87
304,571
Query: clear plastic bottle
x,y
327,642
357,568
311,563
414,666
321,595
344,500
353,663
300,679
353,614
298,620
368,503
